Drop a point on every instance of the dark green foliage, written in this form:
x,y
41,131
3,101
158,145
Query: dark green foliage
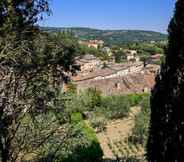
x,y
17,65
140,131
68,39
33,67
17,16
114,107
144,50
85,101
76,118
87,151
129,159
71,88
110,107
73,142
119,57
92,153
98,121
83,50
36,84
166,139
136,99
82,146
147,49
95,98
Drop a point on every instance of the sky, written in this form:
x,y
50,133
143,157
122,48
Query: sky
x,y
111,14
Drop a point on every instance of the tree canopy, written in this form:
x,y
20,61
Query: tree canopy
x,y
166,142
33,67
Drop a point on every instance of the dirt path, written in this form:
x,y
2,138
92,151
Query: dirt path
x,y
117,130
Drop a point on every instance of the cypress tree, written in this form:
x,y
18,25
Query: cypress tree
x,y
166,139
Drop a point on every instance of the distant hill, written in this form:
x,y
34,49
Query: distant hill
x,y
111,36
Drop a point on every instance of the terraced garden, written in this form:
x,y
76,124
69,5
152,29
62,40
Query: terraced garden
x,y
115,139
120,123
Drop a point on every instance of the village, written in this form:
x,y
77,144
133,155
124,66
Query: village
x,y
111,78
91,81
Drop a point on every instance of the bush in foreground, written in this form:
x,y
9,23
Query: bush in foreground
x,y
89,150
80,144
140,131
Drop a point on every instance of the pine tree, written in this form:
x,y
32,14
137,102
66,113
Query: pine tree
x,y
166,139
17,19
33,66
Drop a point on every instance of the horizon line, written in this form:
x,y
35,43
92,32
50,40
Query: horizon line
x,y
105,29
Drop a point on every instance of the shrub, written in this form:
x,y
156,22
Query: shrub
x,y
94,97
115,107
109,107
75,103
76,118
136,99
72,88
85,101
79,145
89,150
98,122
140,131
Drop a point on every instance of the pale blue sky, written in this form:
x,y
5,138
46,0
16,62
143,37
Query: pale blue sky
x,y
111,14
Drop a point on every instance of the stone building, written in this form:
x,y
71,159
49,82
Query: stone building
x,y
114,79
132,83
131,56
155,58
152,68
116,70
92,43
88,63
107,50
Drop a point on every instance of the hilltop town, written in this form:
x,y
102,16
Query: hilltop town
x,y
132,75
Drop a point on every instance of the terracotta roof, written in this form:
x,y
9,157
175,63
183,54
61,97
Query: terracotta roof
x,y
134,83
86,58
94,74
105,72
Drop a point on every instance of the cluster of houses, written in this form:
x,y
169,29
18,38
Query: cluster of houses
x,y
132,76
114,79
92,43
131,55
97,44
88,63
132,83
110,71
